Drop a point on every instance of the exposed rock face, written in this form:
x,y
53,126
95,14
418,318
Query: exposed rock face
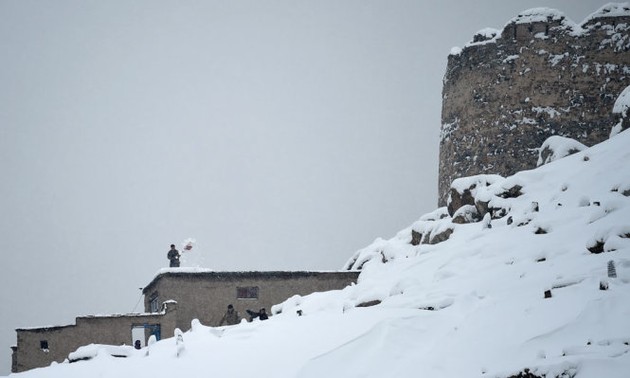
x,y
440,237
416,237
507,91
462,192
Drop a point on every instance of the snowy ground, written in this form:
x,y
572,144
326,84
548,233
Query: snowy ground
x,y
472,306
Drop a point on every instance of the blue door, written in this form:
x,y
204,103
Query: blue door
x,y
154,329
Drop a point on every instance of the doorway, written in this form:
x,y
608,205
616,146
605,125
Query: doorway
x,y
142,332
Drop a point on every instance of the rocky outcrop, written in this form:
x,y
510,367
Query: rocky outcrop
x,y
621,110
557,147
462,192
509,90
466,214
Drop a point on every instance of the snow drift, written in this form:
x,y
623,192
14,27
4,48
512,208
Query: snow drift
x,y
538,288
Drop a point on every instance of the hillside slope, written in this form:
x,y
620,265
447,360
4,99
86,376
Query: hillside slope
x,y
544,286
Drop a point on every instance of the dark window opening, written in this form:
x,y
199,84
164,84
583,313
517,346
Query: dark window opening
x,y
43,344
153,303
248,292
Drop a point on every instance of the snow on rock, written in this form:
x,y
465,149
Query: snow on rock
x,y
538,15
466,214
622,105
547,15
463,190
616,129
557,147
487,33
610,10
455,50
484,36
439,213
543,14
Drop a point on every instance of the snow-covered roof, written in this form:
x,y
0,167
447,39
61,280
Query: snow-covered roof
x,y
184,270
208,273
95,316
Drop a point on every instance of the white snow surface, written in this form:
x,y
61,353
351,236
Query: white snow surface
x,y
622,105
538,15
471,306
610,10
558,147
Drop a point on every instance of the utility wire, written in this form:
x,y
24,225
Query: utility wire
x,y
136,306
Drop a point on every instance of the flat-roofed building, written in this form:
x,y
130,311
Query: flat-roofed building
x,y
174,298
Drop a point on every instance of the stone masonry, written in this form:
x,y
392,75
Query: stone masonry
x,y
39,347
206,295
172,300
508,90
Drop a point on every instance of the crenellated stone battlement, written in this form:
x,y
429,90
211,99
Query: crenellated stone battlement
x,y
509,90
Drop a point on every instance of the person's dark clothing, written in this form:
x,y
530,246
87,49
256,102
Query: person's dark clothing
x,y
173,255
262,315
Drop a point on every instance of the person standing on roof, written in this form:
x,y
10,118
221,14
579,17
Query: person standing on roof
x,y
173,255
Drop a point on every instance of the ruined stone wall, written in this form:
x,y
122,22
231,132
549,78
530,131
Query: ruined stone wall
x,y
507,91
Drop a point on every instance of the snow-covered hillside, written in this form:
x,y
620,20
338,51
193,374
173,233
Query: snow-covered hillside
x,y
543,289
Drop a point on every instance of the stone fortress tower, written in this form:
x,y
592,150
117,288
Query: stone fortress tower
x,y
509,90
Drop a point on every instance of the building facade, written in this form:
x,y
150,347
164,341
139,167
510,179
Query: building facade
x,y
172,300
206,295
39,347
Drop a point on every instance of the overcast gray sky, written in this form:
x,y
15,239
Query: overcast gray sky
x,y
278,134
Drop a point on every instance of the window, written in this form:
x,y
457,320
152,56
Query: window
x,y
43,345
153,303
247,292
